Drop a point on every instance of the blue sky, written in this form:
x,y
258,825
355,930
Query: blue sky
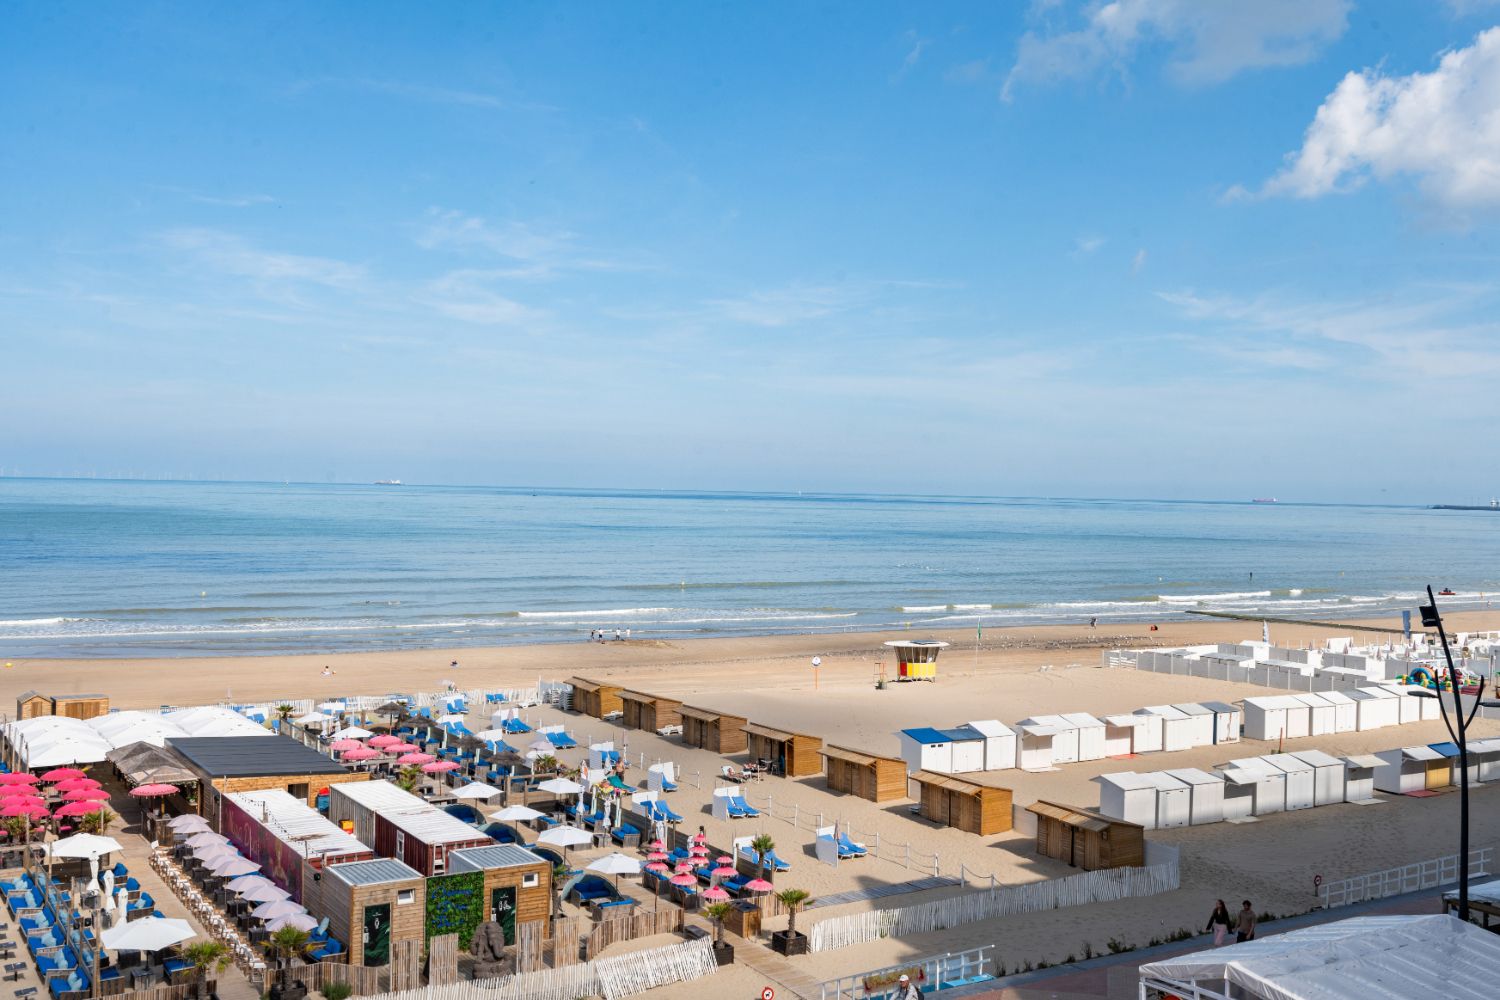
x,y
1152,247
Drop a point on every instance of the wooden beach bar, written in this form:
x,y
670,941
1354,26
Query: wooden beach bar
x,y
1087,839
649,712
370,904
962,804
792,754
866,775
595,697
711,730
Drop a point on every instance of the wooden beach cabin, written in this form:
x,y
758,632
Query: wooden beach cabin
x,y
517,884
792,754
650,712
865,775
962,804
1086,839
916,659
712,730
372,905
595,698
400,825
80,706
33,705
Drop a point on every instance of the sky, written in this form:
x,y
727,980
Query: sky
x,y
1166,248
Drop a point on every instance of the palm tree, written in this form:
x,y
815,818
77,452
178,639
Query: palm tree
x,y
717,912
97,821
408,778
284,712
206,955
763,845
559,879
793,900
288,943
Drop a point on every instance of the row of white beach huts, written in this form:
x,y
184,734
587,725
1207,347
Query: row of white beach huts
x,y
1323,713
1284,782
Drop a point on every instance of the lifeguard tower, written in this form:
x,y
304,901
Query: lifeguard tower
x,y
916,659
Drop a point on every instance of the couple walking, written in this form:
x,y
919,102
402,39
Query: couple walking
x,y
1243,923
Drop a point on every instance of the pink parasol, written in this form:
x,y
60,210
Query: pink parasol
x,y
359,753
725,871
62,774
700,837
80,808
415,758
23,801
402,748
657,845
19,792
758,885
439,766
153,791
715,894
341,745
724,859
657,866
74,784
13,809
685,879
384,740
86,795
698,851
18,778
657,856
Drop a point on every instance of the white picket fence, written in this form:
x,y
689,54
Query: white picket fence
x,y
1075,890
611,978
1408,878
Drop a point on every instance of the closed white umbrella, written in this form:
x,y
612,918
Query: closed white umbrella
x,y
565,836
229,866
301,921
266,892
476,790
514,814
147,935
274,908
188,823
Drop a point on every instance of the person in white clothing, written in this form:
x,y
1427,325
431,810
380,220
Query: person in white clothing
x,y
906,989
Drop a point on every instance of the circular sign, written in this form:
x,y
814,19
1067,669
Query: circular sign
x,y
1317,880
768,994
817,662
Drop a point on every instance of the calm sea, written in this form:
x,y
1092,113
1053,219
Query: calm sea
x,y
107,568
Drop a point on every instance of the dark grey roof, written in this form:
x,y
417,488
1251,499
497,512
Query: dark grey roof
x,y
471,859
251,756
374,872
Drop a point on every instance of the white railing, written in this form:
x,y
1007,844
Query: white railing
x,y
930,973
1152,988
611,978
1089,887
1408,878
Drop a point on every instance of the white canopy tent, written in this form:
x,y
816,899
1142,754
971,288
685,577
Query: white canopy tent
x,y
1361,958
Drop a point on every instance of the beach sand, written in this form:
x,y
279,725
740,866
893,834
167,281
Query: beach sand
x,y
770,679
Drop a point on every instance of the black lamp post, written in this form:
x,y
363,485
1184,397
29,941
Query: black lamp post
x,y
1458,728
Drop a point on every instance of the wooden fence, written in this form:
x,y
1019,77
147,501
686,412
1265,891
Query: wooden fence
x,y
442,960
630,926
364,980
611,978
1074,890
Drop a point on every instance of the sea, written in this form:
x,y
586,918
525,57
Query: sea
x,y
101,568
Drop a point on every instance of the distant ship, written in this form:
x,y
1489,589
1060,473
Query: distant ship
x,y
387,482
1492,505
1264,500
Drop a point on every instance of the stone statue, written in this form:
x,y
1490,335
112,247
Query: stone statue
x,y
488,950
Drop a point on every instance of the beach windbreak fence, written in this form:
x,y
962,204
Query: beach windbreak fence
x,y
1414,877
933,973
610,978
1103,886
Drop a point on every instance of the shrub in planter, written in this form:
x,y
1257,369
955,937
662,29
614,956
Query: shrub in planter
x,y
789,942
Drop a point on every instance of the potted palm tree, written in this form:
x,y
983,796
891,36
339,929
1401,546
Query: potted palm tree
x,y
763,845
723,950
408,778
206,956
286,944
789,942
97,821
284,712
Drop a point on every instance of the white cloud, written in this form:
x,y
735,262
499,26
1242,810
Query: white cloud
x,y
233,254
427,93
1138,262
1209,42
540,252
914,54
786,306
969,73
1442,128
468,295
1086,246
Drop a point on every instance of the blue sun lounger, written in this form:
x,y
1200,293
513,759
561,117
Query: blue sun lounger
x,y
738,807
849,849
562,741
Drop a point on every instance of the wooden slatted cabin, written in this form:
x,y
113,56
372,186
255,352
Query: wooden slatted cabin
x,y
866,775
595,697
650,712
792,754
964,805
1087,839
711,730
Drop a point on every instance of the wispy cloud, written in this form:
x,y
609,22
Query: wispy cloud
x,y
231,254
226,201
786,306
1087,246
1138,262
423,92
916,46
470,295
539,252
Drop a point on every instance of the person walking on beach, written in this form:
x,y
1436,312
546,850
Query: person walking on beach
x,y
1093,623
1219,923
1244,924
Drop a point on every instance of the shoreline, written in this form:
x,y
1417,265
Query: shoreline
x,y
677,665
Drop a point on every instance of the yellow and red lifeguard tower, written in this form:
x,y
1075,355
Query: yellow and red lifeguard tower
x,y
916,659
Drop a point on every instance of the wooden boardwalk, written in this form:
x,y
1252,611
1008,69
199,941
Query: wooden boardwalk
x,y
881,891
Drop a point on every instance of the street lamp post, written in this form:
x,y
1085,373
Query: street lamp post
x,y
1458,729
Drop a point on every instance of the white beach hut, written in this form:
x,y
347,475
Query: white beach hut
x,y
1319,714
968,749
1064,736
1090,735
999,744
1176,727
1377,708
1128,796
1034,746
1359,777
1301,779
1122,733
1174,800
1298,718
1227,720
1270,785
1345,713
1239,792
1207,804
1328,776
1265,717
927,749
1412,769
1201,723
1484,759
1148,732
1408,708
